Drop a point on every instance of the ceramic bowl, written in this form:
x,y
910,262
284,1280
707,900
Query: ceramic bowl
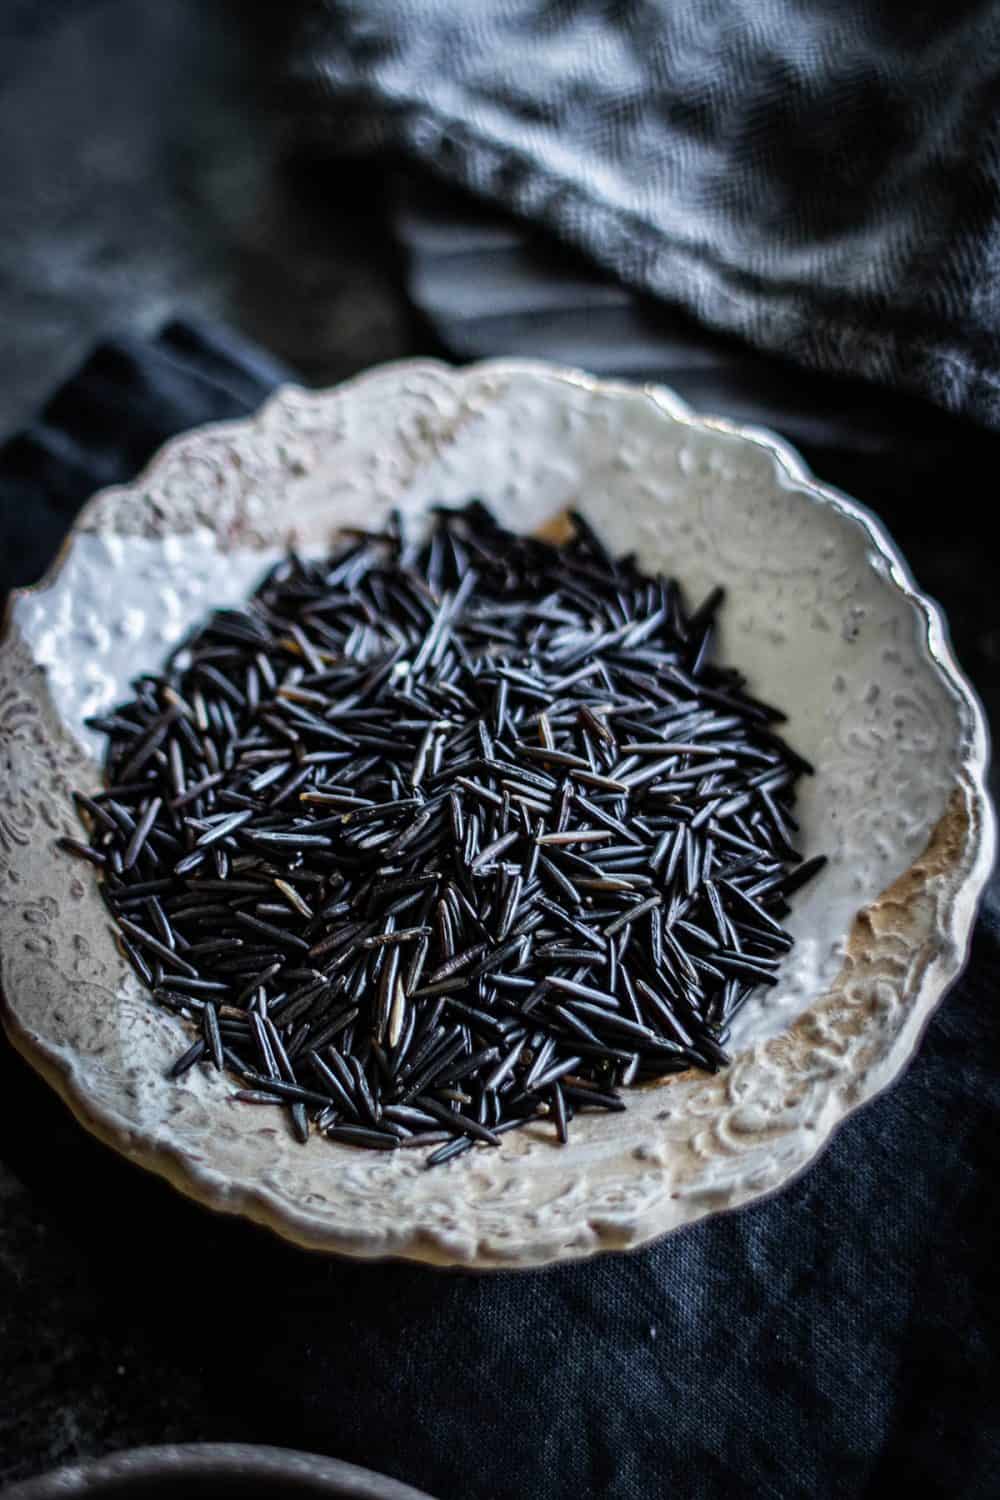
x,y
213,1471
821,614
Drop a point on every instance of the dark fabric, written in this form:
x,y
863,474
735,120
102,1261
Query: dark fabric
x,y
821,177
838,1339
101,427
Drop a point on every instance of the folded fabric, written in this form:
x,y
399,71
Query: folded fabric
x,y
108,420
821,179
826,1343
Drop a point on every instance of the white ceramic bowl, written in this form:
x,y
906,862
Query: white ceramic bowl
x,y
822,615
212,1471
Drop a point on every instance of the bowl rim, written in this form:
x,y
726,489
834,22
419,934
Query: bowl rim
x,y
221,1461
170,1161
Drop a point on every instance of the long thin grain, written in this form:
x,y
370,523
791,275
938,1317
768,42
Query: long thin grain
x,y
434,839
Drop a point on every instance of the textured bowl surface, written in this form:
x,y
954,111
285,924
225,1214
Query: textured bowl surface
x,y
821,614
213,1471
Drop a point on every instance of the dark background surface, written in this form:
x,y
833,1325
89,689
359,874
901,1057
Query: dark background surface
x,y
138,181
139,175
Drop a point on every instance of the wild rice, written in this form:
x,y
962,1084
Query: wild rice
x,y
431,840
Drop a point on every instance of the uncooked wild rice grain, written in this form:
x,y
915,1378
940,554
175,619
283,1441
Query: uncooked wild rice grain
x,y
438,837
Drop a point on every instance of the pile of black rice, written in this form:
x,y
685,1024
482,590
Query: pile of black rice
x,y
438,837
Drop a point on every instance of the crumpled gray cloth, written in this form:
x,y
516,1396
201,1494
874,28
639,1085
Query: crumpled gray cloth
x,y
820,177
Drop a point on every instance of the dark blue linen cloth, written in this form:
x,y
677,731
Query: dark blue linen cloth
x,y
839,1339
820,177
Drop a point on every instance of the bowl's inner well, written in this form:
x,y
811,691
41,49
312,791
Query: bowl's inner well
x,y
815,627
